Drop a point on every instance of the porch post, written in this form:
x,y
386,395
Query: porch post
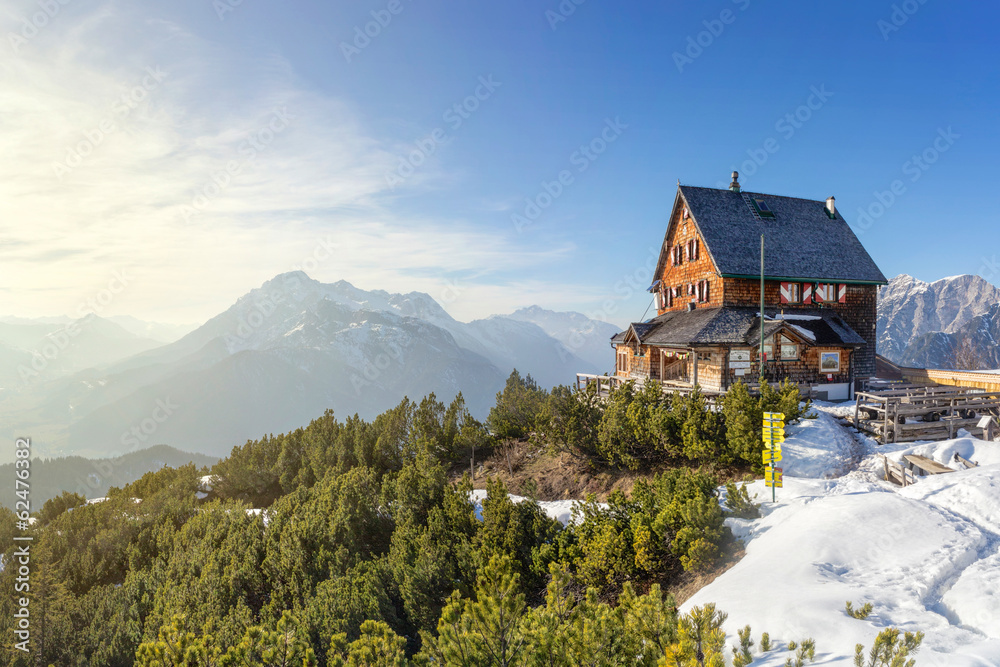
x,y
695,357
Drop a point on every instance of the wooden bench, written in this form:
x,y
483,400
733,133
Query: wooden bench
x,y
924,466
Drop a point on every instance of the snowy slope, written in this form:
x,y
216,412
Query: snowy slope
x,y
926,556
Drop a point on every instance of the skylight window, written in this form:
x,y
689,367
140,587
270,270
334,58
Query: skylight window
x,y
762,208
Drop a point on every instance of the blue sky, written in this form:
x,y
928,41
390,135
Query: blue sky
x,y
413,157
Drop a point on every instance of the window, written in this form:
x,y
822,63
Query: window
x,y
763,210
692,250
831,292
678,254
791,292
789,349
622,358
702,291
768,352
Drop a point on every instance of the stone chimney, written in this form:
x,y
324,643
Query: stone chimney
x,y
735,185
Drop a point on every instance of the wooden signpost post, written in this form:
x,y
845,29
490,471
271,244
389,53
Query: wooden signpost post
x,y
773,436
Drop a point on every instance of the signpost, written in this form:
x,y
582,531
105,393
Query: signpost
x,y
773,435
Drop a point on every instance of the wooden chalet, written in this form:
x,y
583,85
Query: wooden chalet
x,y
820,297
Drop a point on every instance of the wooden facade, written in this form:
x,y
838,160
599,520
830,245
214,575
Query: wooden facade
x,y
823,322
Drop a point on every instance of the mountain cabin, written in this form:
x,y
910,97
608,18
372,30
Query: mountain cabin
x,y
820,297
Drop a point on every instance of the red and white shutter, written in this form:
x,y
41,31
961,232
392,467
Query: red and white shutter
x,y
807,293
705,291
657,302
820,295
842,293
786,292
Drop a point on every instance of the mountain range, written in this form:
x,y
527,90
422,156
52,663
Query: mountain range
x,y
950,323
91,478
280,356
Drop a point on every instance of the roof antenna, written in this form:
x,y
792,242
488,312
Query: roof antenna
x,y
735,185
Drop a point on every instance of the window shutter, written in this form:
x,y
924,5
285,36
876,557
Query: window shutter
x,y
705,292
807,292
697,249
842,293
656,301
786,292
820,294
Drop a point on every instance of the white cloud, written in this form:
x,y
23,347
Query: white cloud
x,y
117,131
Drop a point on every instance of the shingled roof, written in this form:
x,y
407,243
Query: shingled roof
x,y
740,325
801,241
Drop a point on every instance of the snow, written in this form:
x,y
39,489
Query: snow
x,y
560,510
263,513
802,331
792,316
927,556
818,448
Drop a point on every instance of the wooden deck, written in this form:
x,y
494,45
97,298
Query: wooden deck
x,y
909,412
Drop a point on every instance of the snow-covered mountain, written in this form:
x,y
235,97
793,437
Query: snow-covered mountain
x,y
580,335
280,356
912,313
974,346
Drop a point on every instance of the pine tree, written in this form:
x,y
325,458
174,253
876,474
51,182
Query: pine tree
x,y
890,650
701,640
378,646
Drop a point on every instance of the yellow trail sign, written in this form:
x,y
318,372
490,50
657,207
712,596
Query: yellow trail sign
x,y
772,484
776,416
771,475
773,438
771,456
